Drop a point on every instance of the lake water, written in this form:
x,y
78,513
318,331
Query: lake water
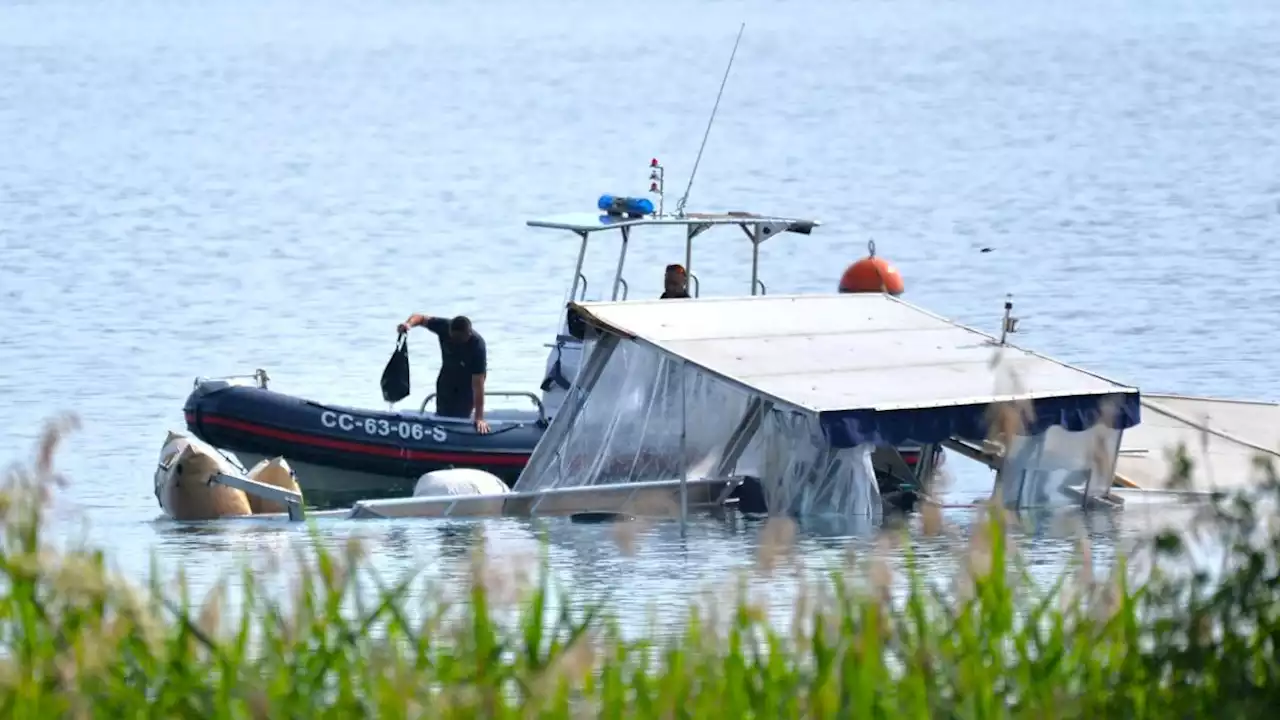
x,y
204,189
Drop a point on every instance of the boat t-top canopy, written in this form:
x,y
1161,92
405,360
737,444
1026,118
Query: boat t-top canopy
x,y
870,368
625,213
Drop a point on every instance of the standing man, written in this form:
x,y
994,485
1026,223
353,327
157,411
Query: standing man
x,y
463,366
675,283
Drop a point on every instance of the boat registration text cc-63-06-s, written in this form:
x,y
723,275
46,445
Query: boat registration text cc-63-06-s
x,y
381,427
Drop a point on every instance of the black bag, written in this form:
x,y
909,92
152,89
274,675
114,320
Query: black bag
x,y
395,378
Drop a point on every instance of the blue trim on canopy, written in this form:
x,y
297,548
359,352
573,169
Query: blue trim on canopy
x,y
849,428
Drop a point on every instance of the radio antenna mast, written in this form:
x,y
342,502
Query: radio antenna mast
x,y
685,198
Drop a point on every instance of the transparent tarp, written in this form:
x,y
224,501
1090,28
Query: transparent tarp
x,y
1056,467
801,473
631,421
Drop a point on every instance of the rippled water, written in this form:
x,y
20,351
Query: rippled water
x,y
189,190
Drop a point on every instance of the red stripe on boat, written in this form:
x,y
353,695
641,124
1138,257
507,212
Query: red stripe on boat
x,y
514,459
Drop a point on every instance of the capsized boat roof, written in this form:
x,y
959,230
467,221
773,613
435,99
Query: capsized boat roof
x,y
872,367
589,222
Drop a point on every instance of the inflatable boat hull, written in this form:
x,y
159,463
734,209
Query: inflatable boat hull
x,y
343,454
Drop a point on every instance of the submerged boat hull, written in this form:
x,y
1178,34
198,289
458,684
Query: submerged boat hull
x,y
332,488
343,454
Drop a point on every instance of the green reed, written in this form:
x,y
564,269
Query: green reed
x,y
79,641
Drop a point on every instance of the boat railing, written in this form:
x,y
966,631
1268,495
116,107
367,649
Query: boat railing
x,y
697,285
583,294
259,377
537,401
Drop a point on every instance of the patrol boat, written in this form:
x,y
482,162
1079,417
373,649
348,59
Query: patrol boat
x,y
344,454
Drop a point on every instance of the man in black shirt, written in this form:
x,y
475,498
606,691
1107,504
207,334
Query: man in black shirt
x,y
463,366
675,283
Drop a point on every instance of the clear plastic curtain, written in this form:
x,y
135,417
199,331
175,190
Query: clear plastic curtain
x,y
801,473
629,427
1058,467
629,430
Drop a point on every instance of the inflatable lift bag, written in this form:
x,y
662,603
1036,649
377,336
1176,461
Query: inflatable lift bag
x,y
395,378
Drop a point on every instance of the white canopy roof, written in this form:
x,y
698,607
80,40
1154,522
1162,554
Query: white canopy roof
x,y
840,352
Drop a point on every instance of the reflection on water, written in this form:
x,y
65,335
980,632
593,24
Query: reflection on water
x,y
646,570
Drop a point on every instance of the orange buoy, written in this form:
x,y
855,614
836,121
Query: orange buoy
x,y
872,274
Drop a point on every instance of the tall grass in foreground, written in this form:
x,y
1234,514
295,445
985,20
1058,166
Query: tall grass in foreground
x,y
78,641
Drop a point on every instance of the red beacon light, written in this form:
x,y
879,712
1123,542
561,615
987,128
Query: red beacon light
x,y
657,181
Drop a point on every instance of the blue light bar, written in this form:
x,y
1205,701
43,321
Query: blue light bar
x,y
633,207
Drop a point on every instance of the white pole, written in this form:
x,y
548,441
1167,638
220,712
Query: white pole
x,y
684,460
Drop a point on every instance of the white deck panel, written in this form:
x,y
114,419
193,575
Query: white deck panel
x,y
844,352
1222,438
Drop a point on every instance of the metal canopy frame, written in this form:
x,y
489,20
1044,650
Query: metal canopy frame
x,y
757,228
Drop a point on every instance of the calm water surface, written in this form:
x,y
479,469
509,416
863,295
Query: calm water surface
x,y
189,190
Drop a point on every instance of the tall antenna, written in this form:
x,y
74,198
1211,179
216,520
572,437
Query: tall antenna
x,y
685,198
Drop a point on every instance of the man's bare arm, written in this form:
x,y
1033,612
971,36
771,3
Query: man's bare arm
x,y
477,387
415,320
